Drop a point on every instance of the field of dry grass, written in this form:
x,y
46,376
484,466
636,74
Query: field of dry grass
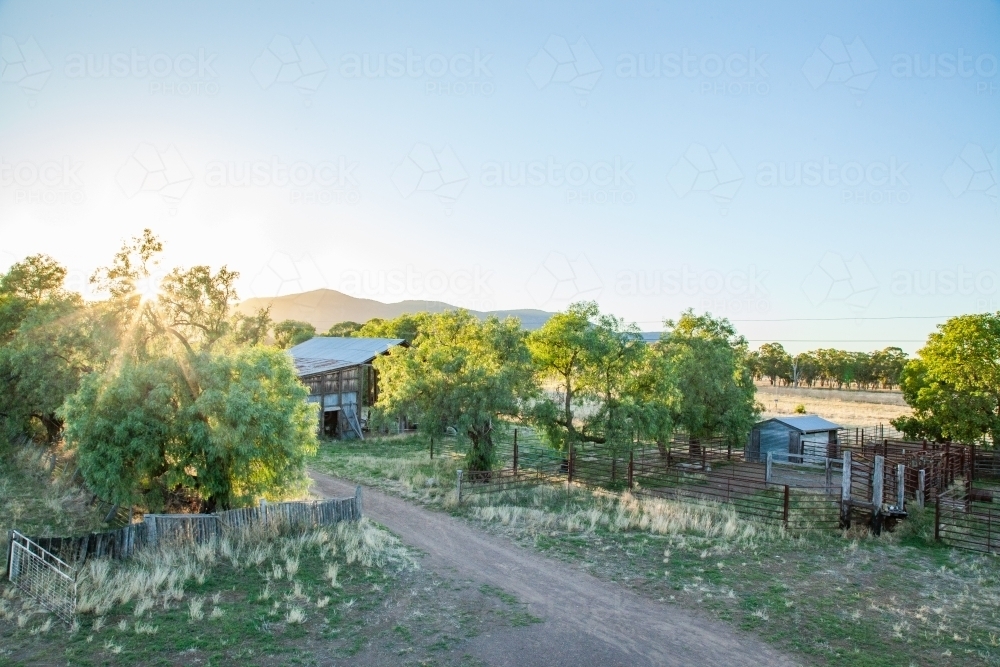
x,y
847,407
830,598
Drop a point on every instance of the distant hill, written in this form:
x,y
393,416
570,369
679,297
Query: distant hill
x,y
323,308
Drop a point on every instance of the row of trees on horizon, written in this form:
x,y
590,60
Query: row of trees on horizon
x,y
827,367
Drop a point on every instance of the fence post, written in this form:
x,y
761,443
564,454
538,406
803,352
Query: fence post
x,y
878,484
458,484
10,554
900,485
937,517
921,488
845,491
829,474
631,464
767,469
569,464
784,514
151,537
515,452
357,501
432,447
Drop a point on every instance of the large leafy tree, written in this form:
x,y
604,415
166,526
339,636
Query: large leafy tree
x,y
142,434
953,385
459,373
290,333
406,327
774,363
343,329
49,338
709,363
561,349
187,405
596,365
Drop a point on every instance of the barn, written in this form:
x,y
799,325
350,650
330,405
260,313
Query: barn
x,y
796,434
340,377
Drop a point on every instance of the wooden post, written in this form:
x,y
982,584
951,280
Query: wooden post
x,y
151,537
845,492
432,447
515,451
900,486
357,501
631,464
921,487
829,474
784,515
878,482
767,469
459,485
937,517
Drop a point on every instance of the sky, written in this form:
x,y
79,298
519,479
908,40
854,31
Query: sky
x,y
822,174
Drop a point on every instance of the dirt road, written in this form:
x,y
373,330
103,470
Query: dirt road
x,y
587,622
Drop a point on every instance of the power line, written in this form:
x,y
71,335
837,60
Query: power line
x,y
832,319
831,340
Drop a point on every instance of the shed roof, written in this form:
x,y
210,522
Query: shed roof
x,y
804,423
327,353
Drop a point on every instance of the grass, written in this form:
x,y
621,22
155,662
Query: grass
x,y
262,597
848,407
829,597
38,502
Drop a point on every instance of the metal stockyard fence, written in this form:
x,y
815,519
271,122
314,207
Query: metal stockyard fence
x,y
966,517
41,575
873,479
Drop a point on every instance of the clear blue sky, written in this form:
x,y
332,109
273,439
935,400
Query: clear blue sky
x,y
814,167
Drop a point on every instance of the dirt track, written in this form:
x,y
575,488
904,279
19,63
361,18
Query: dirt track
x,y
587,622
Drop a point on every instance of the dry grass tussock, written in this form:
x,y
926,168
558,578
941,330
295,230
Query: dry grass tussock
x,y
550,508
157,577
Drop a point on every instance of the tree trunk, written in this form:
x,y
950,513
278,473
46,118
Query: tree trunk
x,y
482,455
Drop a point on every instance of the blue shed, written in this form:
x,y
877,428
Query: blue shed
x,y
797,434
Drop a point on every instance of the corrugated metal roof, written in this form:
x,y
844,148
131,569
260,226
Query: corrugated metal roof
x,y
805,423
323,353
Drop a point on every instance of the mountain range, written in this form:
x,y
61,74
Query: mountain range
x,y
323,308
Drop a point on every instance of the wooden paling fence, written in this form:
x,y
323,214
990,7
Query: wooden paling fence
x,y
161,529
46,567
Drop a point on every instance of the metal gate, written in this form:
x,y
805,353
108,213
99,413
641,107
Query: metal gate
x,y
42,575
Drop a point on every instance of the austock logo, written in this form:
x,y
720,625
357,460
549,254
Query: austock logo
x,y
150,170
835,280
325,182
284,274
713,172
50,182
730,74
559,281
23,64
600,182
974,170
560,62
182,75
834,62
426,171
284,62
